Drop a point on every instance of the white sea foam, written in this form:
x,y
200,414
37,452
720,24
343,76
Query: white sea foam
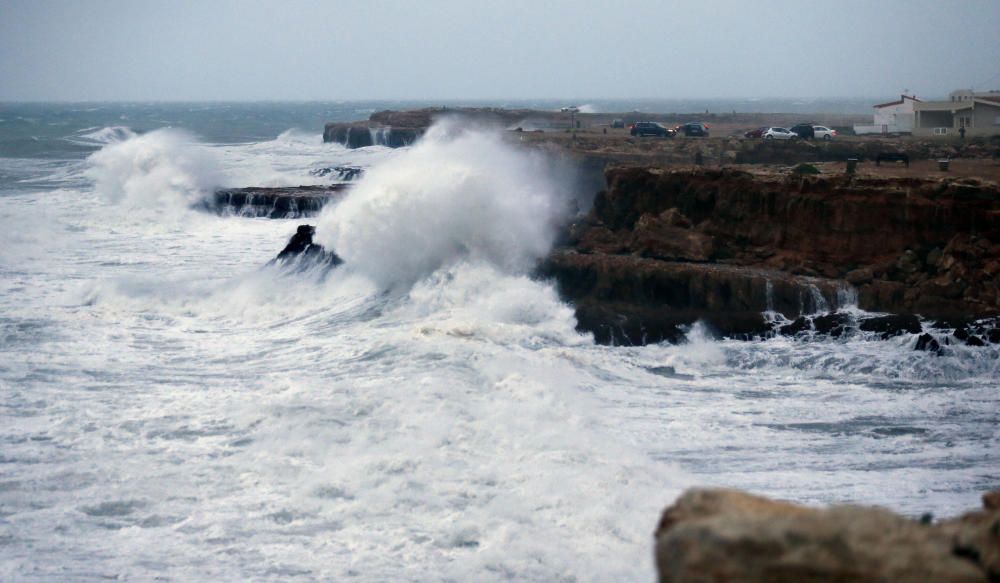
x,y
457,194
172,409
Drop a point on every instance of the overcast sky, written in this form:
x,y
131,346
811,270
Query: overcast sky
x,y
445,49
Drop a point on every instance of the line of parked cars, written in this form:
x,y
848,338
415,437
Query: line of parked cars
x,y
652,128
804,131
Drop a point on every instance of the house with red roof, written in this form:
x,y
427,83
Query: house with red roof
x,y
977,112
894,117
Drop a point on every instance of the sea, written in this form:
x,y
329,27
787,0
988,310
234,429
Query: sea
x,y
175,408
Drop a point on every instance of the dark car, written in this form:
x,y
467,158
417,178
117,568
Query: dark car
x,y
617,123
757,133
694,128
650,128
803,130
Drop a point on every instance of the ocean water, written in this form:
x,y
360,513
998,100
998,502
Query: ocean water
x,y
173,409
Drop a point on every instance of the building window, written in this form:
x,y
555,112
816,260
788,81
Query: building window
x,y
940,131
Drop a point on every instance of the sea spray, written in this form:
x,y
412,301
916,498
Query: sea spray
x,y
459,193
165,169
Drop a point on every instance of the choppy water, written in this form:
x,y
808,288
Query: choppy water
x,y
171,409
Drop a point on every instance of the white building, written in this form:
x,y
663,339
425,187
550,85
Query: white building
x,y
978,113
894,117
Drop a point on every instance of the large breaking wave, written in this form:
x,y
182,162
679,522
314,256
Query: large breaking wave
x,y
164,168
458,194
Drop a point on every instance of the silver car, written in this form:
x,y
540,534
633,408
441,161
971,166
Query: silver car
x,y
824,133
778,134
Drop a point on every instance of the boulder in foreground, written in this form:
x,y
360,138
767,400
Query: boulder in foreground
x,y
720,536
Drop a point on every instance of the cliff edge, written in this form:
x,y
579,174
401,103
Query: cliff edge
x,y
663,248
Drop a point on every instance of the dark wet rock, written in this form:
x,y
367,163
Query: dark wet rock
x,y
301,250
345,173
727,536
892,325
971,332
364,134
799,325
928,343
860,276
275,203
634,325
833,325
634,300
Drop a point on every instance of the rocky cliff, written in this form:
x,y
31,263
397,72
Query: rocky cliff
x,y
661,249
396,129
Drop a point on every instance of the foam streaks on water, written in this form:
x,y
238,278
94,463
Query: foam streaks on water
x,y
171,408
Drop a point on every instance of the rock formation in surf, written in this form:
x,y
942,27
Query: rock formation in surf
x,y
302,250
287,202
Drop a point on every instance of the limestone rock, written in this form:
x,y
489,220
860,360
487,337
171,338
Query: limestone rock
x,y
722,536
669,236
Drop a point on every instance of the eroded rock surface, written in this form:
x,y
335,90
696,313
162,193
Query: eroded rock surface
x,y
275,203
673,246
721,536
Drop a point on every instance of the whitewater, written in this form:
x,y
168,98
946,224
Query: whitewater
x,y
173,408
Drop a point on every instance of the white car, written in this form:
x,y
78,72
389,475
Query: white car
x,y
778,134
824,133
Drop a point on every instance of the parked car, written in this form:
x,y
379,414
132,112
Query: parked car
x,y
779,134
803,130
650,128
757,133
824,133
694,128
617,123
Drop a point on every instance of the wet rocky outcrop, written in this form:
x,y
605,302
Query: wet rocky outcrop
x,y
274,203
625,299
738,243
343,173
728,536
301,251
364,134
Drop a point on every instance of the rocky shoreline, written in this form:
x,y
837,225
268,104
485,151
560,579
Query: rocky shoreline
x,y
754,252
662,249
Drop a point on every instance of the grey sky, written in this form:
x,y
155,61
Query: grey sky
x,y
439,49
